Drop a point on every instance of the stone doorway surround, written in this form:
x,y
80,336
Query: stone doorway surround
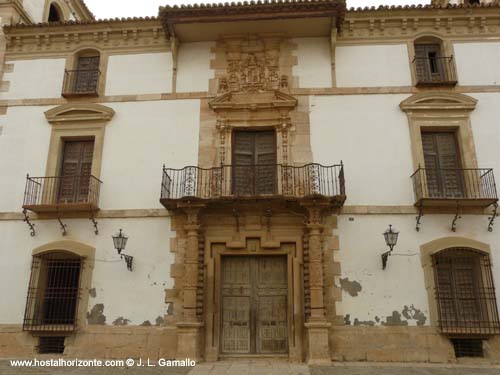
x,y
206,234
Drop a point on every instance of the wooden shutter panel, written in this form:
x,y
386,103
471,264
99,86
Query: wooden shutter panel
x,y
75,171
428,69
265,154
443,172
87,75
254,160
243,160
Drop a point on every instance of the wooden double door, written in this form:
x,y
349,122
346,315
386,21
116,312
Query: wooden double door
x,y
254,305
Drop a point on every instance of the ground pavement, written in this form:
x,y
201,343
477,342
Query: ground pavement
x,y
265,367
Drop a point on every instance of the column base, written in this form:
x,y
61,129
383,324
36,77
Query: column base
x,y
189,341
318,352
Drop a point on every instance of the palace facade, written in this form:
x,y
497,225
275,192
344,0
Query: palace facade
x,y
273,178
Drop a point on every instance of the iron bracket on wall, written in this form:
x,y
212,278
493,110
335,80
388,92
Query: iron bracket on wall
x,y
457,216
493,217
94,222
30,224
63,226
128,260
419,217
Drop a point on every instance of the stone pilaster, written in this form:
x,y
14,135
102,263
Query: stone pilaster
x,y
317,325
189,329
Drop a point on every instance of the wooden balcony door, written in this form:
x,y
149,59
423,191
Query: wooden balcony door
x,y
254,305
442,163
76,169
254,163
87,74
429,64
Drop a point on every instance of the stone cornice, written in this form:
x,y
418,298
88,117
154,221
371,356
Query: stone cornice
x,y
82,10
18,7
403,23
141,34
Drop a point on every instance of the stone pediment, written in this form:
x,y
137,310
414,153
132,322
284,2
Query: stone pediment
x,y
253,101
79,112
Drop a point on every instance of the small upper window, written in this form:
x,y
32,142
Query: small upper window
x,y
55,14
432,65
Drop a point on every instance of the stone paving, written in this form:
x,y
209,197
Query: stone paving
x,y
265,367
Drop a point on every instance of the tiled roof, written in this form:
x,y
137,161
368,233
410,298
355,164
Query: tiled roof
x,y
494,4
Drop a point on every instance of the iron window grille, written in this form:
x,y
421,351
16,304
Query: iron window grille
x,y
468,347
465,293
53,293
51,344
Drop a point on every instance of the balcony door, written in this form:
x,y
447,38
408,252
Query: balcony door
x,y
87,74
76,167
254,163
429,64
442,163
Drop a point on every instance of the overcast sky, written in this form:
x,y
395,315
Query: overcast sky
x,y
142,8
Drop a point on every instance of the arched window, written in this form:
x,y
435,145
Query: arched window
x,y
53,292
84,78
55,14
433,66
465,293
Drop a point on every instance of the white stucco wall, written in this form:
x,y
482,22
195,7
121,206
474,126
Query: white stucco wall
x,y
30,79
148,73
402,283
477,63
314,62
24,146
372,66
139,140
485,121
193,67
137,296
371,135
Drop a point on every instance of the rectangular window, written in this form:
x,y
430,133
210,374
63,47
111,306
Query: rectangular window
x,y
87,75
429,63
444,175
76,167
254,163
53,293
465,293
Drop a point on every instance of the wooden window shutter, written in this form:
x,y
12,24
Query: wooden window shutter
x,y
76,168
254,163
428,64
443,171
87,74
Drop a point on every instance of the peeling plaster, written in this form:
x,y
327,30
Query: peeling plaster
x,y
363,323
395,320
96,316
160,321
351,287
414,314
121,321
347,320
146,323
93,293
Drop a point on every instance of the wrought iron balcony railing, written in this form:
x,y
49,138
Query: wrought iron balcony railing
x,y
253,181
432,71
63,193
83,82
474,186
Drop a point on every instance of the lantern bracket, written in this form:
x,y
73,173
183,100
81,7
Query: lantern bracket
x,y
128,260
385,258
94,223
455,219
494,215
28,221
63,226
419,217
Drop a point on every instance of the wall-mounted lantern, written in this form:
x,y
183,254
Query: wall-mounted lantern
x,y
120,242
391,239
